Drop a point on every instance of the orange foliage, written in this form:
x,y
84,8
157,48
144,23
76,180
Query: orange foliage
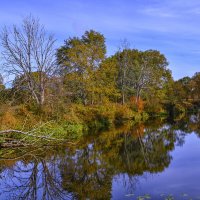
x,y
139,105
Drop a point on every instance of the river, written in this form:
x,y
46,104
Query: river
x,y
159,159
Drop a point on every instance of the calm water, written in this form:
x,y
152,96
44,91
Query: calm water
x,y
152,160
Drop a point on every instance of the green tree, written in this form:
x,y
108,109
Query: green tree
x,y
140,71
195,86
4,93
80,60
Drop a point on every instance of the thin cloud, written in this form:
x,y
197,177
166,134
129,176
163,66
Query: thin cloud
x,y
169,26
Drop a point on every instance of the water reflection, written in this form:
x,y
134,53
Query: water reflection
x,y
33,176
88,170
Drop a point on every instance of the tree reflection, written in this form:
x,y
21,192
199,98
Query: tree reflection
x,y
87,171
34,176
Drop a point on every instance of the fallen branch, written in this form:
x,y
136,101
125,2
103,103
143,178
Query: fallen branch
x,y
28,134
7,145
11,142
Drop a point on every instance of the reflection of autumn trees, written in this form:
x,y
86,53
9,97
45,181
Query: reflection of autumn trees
x,y
34,176
187,124
194,123
87,171
86,174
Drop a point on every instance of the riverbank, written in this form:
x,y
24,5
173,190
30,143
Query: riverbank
x,y
66,124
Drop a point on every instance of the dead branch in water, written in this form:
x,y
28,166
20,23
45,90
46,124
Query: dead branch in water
x,y
28,134
13,142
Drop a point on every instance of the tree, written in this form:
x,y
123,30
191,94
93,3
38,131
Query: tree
x,y
20,88
195,86
106,86
123,61
28,49
79,60
4,93
148,70
2,86
140,71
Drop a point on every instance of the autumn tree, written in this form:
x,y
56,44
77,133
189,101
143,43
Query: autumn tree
x,y
147,71
105,81
195,86
80,60
142,71
3,91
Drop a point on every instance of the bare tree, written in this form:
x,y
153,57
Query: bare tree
x,y
29,53
123,62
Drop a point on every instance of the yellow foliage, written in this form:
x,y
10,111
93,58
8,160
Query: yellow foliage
x,y
8,120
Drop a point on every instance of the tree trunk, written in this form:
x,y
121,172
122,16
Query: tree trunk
x,y
123,98
42,97
137,99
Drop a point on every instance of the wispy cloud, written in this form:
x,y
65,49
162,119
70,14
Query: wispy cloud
x,y
158,12
171,26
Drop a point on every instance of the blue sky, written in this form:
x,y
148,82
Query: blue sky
x,y
170,26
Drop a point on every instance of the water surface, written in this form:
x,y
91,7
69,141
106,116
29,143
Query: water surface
x,y
157,160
